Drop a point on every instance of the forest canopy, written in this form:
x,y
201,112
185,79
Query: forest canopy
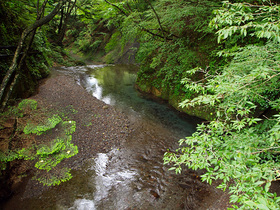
x,y
202,55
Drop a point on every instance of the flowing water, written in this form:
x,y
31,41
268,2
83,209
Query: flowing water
x,y
133,177
114,85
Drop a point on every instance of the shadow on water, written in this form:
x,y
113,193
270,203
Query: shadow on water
x,y
132,176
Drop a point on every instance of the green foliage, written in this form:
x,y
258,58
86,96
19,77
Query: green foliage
x,y
25,107
50,123
69,127
49,154
15,17
234,156
251,76
27,104
114,41
261,21
40,69
59,55
55,147
89,32
15,154
64,176
164,62
238,148
184,22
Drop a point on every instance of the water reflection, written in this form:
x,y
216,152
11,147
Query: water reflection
x,y
109,177
114,85
132,176
83,204
92,86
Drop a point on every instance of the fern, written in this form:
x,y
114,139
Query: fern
x,y
54,179
47,155
39,129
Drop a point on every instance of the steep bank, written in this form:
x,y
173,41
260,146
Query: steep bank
x,y
203,112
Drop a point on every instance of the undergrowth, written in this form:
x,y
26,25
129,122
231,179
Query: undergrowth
x,y
46,154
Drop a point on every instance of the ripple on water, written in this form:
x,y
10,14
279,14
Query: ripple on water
x,y
83,204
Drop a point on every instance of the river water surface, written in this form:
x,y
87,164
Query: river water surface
x,y
133,177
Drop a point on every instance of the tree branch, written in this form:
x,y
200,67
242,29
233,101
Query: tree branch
x,y
23,37
266,149
137,22
117,8
158,20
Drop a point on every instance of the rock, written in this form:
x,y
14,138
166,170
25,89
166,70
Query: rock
x,y
155,194
105,107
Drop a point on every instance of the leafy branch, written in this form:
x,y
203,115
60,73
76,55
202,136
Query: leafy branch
x,y
237,148
138,22
242,17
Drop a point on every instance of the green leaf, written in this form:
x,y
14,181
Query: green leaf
x,y
267,186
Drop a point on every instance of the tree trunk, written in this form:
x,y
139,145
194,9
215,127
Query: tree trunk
x,y
61,20
63,24
24,35
10,87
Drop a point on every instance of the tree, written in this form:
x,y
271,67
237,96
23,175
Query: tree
x,y
241,145
11,76
64,19
261,21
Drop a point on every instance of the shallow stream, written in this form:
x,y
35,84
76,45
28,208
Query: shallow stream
x,y
134,176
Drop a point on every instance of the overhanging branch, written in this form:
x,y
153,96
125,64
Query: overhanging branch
x,y
138,23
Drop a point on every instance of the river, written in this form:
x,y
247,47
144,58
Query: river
x,y
134,177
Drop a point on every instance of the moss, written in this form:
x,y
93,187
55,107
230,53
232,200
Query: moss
x,y
144,87
111,57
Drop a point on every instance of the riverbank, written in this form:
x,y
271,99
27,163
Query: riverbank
x,y
99,127
134,173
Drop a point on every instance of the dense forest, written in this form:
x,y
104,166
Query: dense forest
x,y
219,61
